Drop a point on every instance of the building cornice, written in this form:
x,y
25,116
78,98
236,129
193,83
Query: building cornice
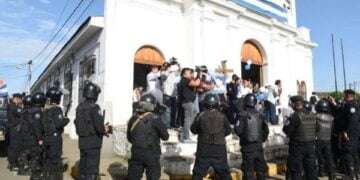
x,y
88,28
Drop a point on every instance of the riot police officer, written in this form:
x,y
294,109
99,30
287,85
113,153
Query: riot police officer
x,y
27,137
301,129
36,134
53,124
349,135
212,127
144,131
253,131
14,121
324,126
90,128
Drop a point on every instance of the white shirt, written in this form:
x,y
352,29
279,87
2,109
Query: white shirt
x,y
173,78
153,81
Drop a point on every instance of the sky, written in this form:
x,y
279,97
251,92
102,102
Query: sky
x,y
342,18
27,25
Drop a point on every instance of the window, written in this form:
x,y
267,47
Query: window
x,y
87,70
88,66
68,81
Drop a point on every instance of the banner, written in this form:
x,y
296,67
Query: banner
x,y
3,88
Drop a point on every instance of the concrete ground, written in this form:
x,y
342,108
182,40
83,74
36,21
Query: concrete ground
x,y
71,153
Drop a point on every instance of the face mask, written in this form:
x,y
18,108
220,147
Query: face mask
x,y
174,68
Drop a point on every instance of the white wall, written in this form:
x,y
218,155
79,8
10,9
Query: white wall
x,y
198,32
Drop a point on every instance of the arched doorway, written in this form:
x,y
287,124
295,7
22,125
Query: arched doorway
x,y
145,58
252,61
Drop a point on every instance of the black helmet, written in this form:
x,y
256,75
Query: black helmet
x,y
54,94
250,100
91,91
297,102
307,106
27,101
211,101
322,106
38,99
147,103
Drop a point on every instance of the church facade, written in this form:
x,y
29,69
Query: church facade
x,y
260,33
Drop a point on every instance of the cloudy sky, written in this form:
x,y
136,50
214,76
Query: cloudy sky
x,y
27,25
25,28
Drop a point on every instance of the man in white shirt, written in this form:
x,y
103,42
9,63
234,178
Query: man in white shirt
x,y
153,79
170,93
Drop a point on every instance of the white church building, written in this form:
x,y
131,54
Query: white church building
x,y
113,50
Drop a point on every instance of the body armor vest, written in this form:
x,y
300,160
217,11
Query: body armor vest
x,y
27,131
324,126
253,128
212,127
144,135
83,122
48,122
306,131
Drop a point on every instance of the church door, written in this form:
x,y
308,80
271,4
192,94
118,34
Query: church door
x,y
145,58
252,63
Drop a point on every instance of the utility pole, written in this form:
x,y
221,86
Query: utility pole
x,y
334,61
343,62
29,64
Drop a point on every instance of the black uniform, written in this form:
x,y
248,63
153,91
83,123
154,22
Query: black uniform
x,y
212,127
53,123
301,129
144,132
253,131
32,133
324,126
348,145
90,128
232,90
14,122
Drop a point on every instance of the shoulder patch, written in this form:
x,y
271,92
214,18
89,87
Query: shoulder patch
x,y
352,110
37,115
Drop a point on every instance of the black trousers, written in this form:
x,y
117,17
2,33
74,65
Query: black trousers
x,y
325,157
302,156
144,160
232,110
14,147
170,102
219,164
254,161
89,162
350,159
53,152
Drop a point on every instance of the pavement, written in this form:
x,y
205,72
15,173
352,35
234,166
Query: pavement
x,y
71,153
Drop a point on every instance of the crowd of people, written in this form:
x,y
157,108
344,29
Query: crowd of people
x,y
182,90
323,134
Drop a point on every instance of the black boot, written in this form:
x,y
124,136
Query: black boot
x,y
55,176
332,176
260,176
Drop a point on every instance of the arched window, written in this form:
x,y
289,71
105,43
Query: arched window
x,y
149,55
251,52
